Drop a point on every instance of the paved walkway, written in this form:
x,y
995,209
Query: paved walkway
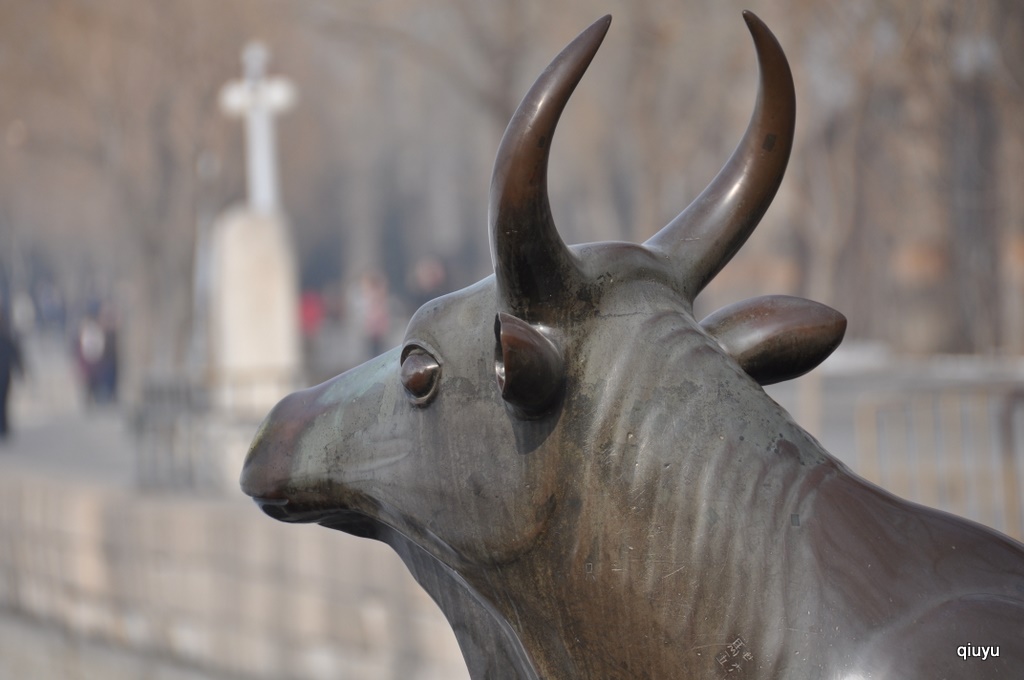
x,y
93,447
54,433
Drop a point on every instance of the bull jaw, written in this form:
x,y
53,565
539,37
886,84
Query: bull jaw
x,y
348,521
284,510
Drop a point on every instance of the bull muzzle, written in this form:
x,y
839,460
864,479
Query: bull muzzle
x,y
290,470
268,469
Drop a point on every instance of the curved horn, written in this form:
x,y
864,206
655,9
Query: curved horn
x,y
531,263
705,236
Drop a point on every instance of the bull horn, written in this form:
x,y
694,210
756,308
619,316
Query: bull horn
x,y
705,236
531,262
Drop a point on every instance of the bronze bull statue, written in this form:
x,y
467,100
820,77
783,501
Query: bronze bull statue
x,y
592,484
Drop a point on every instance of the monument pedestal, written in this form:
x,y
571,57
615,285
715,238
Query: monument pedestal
x,y
255,350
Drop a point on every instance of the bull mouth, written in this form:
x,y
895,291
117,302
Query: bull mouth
x,y
339,519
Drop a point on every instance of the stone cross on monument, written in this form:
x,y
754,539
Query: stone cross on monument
x,y
258,99
254,348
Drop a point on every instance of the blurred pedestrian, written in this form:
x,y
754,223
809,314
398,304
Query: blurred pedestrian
x,y
10,364
376,304
89,348
427,280
106,385
96,354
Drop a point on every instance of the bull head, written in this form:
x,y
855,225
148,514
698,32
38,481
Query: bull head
x,y
523,425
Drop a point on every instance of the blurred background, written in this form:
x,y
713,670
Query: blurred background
x,y
126,549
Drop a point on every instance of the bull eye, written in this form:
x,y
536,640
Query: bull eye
x,y
420,374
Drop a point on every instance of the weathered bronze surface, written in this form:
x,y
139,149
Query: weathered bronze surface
x,y
592,484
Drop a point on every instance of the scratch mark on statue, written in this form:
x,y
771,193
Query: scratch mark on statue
x,y
673,572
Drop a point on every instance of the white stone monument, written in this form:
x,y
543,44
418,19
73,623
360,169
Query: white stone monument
x,y
254,350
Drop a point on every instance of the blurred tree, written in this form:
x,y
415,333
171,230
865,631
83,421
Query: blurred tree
x,y
901,207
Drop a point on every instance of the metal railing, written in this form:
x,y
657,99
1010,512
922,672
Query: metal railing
x,y
958,448
192,432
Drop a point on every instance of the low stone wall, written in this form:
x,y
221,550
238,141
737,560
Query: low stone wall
x,y
37,650
215,584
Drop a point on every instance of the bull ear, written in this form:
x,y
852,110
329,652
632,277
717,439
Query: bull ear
x,y
528,366
777,337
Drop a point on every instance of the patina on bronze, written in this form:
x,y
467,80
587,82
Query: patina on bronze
x,y
592,484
